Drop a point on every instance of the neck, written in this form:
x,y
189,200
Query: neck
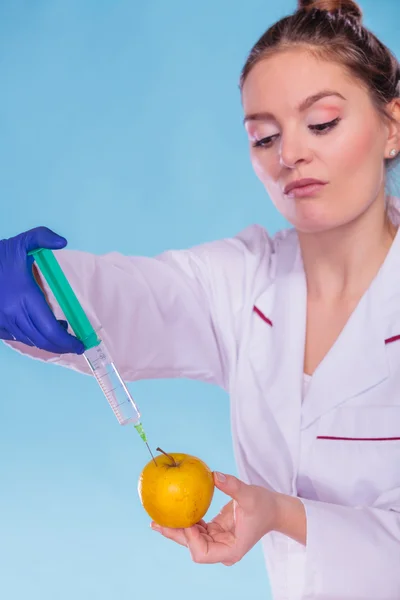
x,y
348,257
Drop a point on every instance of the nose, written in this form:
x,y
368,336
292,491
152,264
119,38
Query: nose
x,y
293,150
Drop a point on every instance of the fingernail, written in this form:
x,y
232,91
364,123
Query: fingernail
x,y
155,527
220,476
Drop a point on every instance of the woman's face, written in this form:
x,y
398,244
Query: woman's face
x,y
338,138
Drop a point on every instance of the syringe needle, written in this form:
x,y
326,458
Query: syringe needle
x,y
151,454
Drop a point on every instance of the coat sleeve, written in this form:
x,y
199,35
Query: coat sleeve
x,y
353,553
174,315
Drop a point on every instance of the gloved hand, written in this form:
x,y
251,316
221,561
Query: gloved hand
x,y
25,315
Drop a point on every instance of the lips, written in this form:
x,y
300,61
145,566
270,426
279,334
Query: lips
x,y
299,183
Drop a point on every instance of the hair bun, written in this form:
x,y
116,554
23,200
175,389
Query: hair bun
x,y
346,7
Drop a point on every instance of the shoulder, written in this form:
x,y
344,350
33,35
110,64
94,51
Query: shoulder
x,y
240,267
249,248
252,246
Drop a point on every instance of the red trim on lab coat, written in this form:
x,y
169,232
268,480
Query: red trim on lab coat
x,y
392,339
351,439
262,316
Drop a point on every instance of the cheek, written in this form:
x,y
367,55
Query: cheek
x,y
265,165
268,170
257,163
357,154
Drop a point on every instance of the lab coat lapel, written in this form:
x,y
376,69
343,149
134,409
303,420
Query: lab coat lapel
x,y
358,360
283,368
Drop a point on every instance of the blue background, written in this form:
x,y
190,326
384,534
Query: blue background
x,y
121,129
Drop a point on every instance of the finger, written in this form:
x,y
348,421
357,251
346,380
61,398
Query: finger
x,y
224,521
47,330
231,485
5,335
202,526
202,550
43,237
205,551
202,523
176,535
18,334
217,533
202,529
224,537
39,340
27,325
196,542
214,528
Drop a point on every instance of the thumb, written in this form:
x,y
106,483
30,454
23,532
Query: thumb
x,y
230,485
42,237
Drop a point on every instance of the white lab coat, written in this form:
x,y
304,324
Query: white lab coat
x,y
233,312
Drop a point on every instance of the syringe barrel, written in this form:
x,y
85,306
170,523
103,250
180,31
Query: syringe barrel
x,y
96,354
112,385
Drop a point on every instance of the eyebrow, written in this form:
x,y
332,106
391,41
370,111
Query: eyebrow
x,y
266,116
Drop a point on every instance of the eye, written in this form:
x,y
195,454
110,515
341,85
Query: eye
x,y
322,128
318,129
265,142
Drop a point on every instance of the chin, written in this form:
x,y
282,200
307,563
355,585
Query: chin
x,y
316,223
320,225
308,228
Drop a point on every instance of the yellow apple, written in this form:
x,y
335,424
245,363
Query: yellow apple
x,y
176,489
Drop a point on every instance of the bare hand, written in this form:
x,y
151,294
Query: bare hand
x,y
242,522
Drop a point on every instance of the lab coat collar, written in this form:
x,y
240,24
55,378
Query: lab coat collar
x,y
280,329
356,362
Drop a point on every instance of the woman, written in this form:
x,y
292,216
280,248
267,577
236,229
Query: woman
x,y
301,329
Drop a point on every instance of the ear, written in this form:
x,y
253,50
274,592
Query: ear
x,y
393,128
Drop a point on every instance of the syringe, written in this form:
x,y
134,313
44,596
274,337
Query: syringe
x,y
96,353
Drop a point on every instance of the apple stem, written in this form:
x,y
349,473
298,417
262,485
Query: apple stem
x,y
169,456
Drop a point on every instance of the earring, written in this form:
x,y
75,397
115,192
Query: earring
x,y
393,152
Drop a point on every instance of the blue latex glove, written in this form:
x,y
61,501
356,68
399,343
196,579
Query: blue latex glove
x,y
24,313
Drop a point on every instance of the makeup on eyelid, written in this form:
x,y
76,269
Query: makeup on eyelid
x,y
325,115
260,131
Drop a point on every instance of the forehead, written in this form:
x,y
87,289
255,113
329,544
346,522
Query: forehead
x,y
283,80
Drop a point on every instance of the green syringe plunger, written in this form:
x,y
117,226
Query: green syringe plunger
x,y
96,354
